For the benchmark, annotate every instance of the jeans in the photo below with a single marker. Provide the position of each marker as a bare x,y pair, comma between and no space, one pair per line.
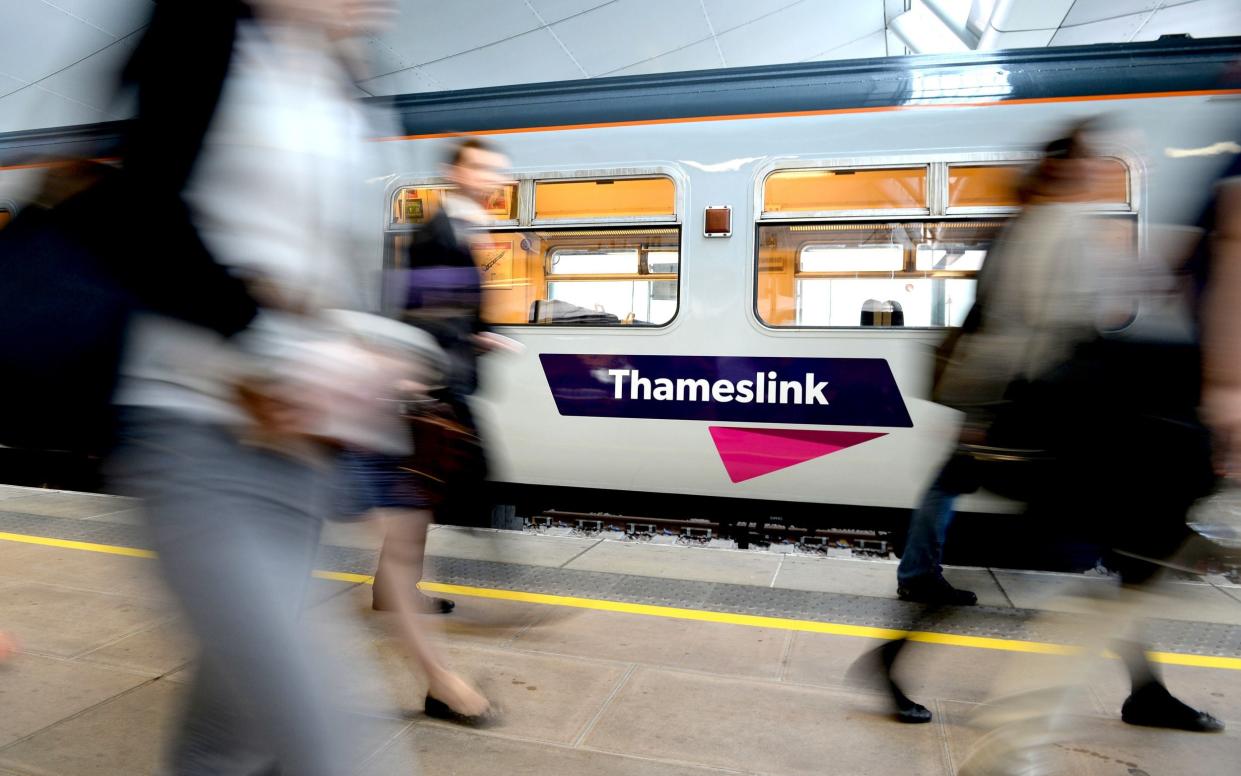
924,547
236,529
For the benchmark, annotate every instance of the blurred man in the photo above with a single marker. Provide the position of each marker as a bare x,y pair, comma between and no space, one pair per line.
441,292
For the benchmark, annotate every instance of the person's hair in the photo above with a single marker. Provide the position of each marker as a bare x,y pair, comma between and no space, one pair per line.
1073,144
455,152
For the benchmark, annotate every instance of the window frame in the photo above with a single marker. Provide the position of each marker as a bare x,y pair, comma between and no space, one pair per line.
526,222
937,211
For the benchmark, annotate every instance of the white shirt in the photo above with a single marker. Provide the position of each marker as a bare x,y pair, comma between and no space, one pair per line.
271,195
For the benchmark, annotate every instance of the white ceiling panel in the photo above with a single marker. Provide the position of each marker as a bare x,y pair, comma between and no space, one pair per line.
800,31
39,39
8,84
1202,18
630,31
382,59
407,81
1087,11
33,107
553,11
699,56
730,14
873,45
429,30
526,59
115,17
460,44
1123,28
94,80
1037,15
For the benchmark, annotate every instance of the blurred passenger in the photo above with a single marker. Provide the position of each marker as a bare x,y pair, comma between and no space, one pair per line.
1131,458
1037,299
1012,332
440,290
247,139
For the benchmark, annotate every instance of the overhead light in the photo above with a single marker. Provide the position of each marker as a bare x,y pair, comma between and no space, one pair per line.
1223,147
923,32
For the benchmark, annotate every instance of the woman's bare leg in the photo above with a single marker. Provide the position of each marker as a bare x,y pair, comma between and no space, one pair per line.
400,569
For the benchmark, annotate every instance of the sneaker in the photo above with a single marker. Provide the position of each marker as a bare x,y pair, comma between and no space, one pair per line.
936,591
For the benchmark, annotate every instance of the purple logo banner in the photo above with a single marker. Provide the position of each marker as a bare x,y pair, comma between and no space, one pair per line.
811,391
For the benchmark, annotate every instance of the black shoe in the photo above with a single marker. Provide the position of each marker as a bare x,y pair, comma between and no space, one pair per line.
1154,706
913,714
437,605
437,709
426,604
936,591
874,668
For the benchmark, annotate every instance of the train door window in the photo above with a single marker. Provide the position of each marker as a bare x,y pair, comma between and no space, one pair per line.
859,257
579,251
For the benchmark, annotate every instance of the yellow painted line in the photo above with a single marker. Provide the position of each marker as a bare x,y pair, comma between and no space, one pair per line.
696,615
67,544
750,620
345,576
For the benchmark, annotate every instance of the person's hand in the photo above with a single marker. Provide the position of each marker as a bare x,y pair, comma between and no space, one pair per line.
273,409
489,342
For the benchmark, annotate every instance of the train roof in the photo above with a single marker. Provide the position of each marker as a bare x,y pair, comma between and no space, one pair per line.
1163,67
1169,65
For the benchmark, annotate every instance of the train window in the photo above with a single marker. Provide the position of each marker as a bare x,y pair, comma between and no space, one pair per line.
984,185
1111,184
612,198
870,274
5,217
414,205
995,185
837,190
593,261
586,277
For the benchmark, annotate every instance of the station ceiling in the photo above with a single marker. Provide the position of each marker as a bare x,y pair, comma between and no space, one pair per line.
58,58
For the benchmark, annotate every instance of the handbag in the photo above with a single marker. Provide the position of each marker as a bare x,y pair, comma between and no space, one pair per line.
448,460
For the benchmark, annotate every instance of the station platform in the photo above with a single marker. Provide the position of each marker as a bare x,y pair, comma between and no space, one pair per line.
604,656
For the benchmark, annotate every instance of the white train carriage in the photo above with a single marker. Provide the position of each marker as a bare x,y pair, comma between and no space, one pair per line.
728,283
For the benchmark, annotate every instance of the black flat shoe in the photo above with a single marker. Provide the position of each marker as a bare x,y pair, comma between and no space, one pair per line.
437,709
437,605
914,714
426,604
1154,706
936,592
874,669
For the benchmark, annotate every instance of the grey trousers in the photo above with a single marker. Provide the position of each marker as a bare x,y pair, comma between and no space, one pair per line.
236,529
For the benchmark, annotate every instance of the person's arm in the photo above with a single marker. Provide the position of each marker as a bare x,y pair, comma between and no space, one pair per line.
1221,327
142,223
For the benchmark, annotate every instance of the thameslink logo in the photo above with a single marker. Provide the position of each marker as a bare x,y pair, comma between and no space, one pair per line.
757,389
765,388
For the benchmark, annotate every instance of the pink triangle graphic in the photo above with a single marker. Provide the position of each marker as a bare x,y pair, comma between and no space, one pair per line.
752,452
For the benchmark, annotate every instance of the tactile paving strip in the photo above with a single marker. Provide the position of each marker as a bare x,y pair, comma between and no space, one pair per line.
1198,638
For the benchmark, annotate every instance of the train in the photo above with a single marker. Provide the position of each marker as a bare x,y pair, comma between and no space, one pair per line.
729,283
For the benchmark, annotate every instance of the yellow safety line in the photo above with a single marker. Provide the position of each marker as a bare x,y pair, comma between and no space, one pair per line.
72,545
697,615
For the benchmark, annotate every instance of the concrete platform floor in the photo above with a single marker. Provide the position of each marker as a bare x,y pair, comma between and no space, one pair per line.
104,663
